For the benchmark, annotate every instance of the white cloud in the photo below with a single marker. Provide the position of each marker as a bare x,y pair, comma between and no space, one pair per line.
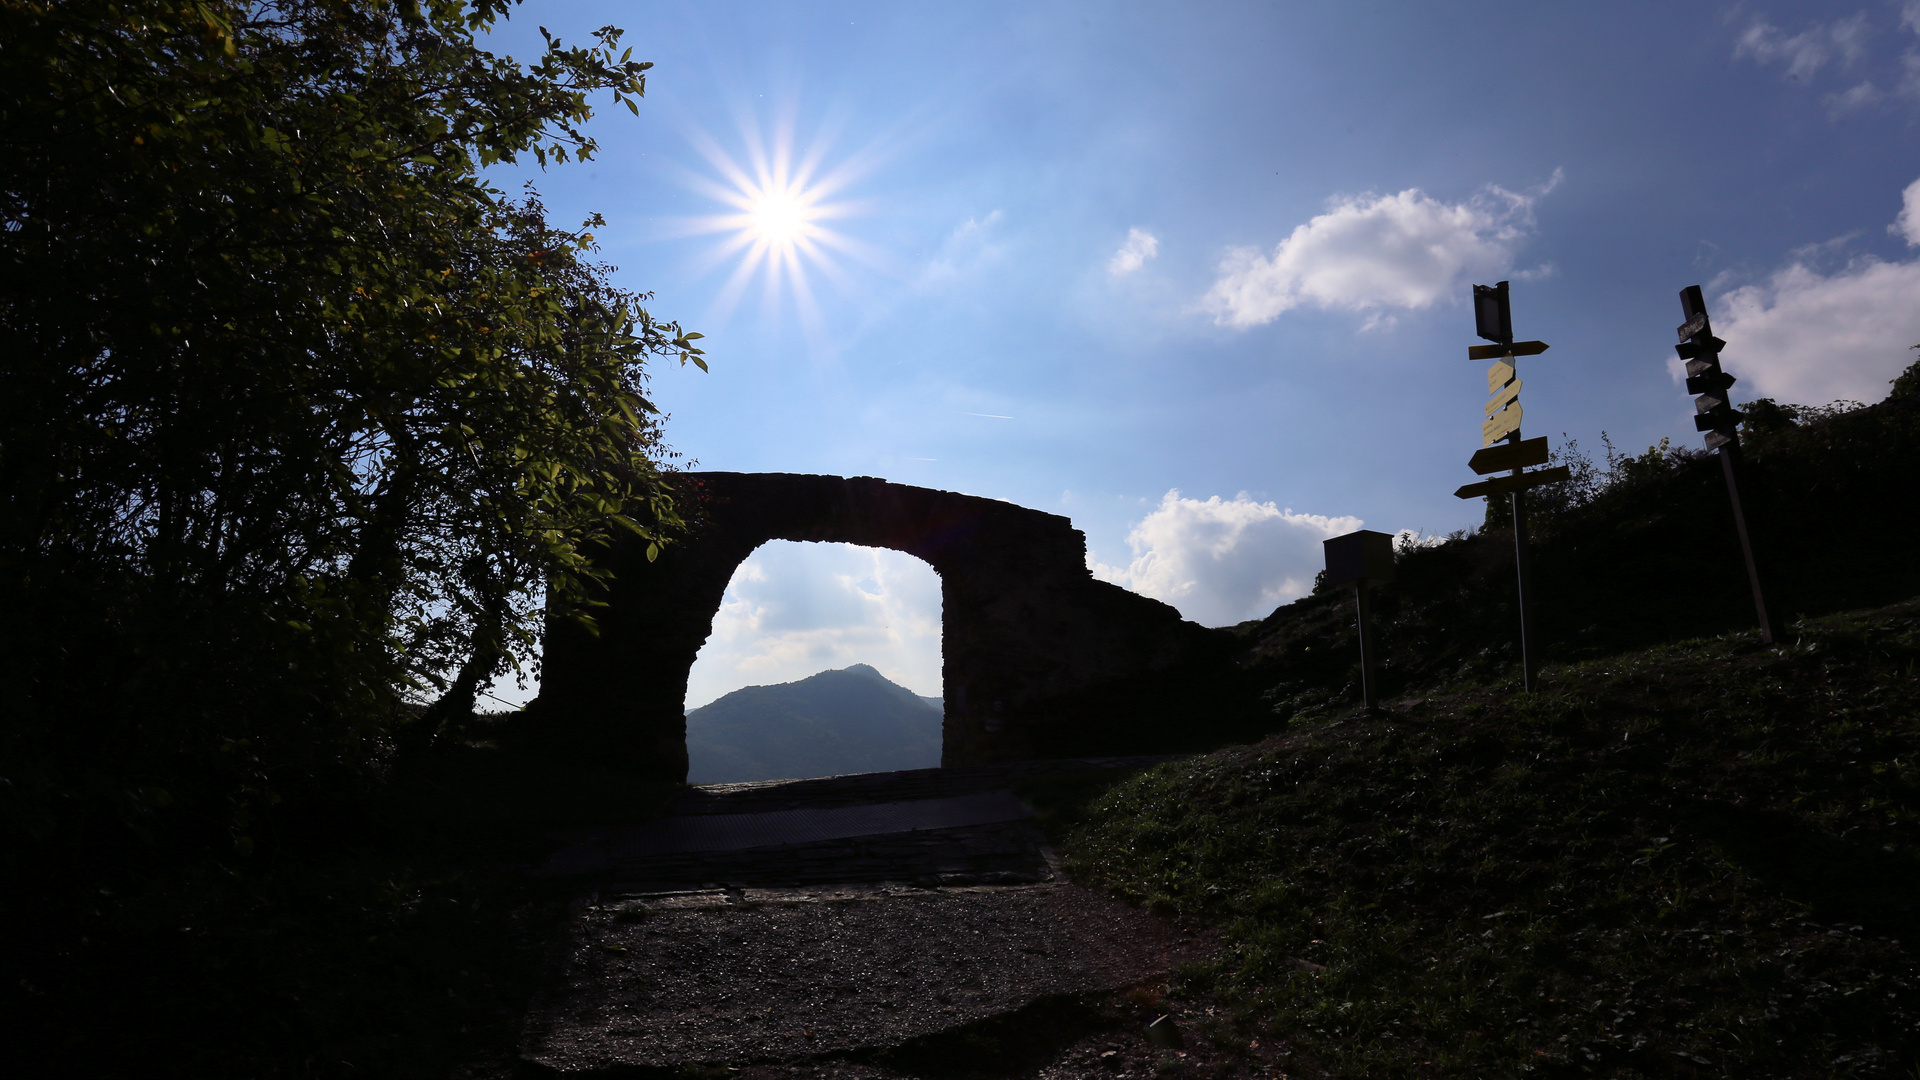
1141,245
1907,224
793,610
1855,97
970,246
1372,252
1224,561
1910,74
1805,53
1842,46
1810,338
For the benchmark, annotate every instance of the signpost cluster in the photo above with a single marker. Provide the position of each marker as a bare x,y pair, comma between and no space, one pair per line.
1503,449
1713,414
1365,557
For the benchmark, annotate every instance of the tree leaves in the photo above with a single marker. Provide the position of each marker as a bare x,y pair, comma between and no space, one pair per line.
289,379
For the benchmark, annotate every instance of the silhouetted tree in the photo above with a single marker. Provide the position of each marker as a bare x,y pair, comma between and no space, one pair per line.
301,413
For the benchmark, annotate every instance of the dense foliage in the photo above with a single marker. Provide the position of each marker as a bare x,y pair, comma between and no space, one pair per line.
302,413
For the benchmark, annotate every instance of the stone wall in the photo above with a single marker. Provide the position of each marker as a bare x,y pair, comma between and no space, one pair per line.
1025,625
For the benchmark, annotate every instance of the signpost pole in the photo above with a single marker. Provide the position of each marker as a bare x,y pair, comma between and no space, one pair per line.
1714,415
1523,570
1493,319
1523,574
1730,467
1369,692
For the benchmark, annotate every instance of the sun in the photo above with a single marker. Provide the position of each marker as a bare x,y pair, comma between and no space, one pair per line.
778,203
780,217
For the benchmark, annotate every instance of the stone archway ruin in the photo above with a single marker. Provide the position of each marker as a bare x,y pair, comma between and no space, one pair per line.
1025,626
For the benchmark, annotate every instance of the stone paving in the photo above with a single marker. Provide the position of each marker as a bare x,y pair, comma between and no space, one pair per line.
922,827
888,908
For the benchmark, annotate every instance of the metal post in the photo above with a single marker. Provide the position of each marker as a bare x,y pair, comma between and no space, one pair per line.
1523,571
1715,415
1493,321
1368,691
1730,466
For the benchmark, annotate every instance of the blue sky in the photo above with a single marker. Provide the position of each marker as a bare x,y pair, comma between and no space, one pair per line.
1195,275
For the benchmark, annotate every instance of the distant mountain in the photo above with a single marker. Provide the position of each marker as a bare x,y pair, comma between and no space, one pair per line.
845,721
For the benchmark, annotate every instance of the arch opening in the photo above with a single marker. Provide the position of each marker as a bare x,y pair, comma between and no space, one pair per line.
824,658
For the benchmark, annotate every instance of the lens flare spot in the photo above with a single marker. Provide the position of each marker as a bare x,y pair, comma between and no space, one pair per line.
779,216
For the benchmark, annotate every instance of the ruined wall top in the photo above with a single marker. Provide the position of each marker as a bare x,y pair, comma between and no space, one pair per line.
945,528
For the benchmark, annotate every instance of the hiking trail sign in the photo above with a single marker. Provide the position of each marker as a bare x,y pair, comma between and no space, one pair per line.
1502,449
1714,414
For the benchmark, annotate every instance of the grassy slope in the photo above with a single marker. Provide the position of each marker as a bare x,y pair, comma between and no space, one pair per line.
1696,860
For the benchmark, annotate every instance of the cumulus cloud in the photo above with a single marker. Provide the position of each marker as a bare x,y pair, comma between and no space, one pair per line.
794,609
1372,253
1223,561
1805,53
1810,337
1141,245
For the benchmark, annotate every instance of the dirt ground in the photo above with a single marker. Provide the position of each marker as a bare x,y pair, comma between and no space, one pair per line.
943,952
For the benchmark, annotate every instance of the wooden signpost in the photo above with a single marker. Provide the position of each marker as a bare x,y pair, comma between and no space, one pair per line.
1714,414
1503,450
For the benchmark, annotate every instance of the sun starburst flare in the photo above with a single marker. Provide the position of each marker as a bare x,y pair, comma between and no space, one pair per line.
774,230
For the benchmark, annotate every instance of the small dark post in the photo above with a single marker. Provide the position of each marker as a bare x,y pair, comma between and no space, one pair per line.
1714,414
1361,558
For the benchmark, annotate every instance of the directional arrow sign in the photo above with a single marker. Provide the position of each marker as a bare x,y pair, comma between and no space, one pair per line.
1690,349
1499,375
1515,483
1504,422
1495,352
1506,456
1708,382
1510,392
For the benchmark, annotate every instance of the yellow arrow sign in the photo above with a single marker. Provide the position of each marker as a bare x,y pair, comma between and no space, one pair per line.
1503,397
1504,423
1499,375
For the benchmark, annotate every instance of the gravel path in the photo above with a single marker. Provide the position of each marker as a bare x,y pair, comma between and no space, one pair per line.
744,982
930,949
